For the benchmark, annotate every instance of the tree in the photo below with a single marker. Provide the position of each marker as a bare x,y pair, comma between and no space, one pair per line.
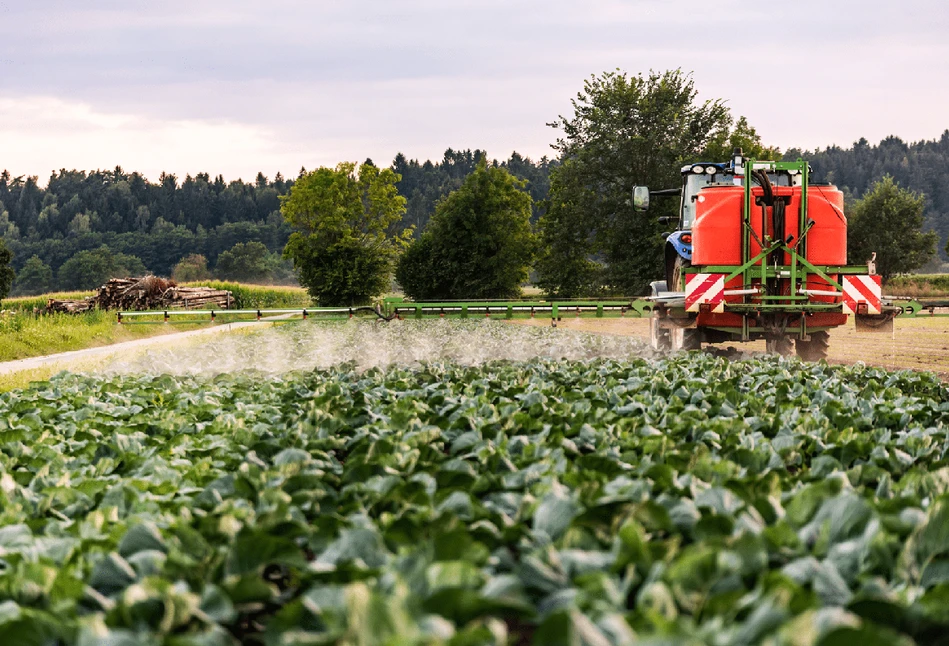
246,262
625,131
919,166
888,220
36,277
743,136
345,244
8,230
6,271
478,244
191,268
91,268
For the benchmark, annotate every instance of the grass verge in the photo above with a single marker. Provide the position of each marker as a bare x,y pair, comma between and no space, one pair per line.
23,335
30,303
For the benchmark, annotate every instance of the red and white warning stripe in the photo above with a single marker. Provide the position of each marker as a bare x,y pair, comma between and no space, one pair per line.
703,289
862,289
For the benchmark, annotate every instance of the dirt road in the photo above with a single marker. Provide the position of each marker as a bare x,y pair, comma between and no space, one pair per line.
918,344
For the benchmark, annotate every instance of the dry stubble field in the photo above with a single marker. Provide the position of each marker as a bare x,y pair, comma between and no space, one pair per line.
918,344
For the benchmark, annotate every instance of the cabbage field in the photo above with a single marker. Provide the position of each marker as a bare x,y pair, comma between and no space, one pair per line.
564,498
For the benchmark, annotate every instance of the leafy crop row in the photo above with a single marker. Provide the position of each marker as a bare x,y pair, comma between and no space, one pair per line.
690,500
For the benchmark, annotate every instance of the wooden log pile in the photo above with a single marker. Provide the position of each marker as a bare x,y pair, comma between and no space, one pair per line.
147,293
70,306
133,293
192,298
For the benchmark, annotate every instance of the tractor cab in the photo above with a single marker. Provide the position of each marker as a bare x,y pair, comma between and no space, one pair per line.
695,178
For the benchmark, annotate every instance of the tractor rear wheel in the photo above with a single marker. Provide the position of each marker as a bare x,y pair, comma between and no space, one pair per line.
781,345
814,349
691,339
659,338
673,339
675,272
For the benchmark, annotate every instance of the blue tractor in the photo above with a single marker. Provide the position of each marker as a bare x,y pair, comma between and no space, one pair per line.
678,247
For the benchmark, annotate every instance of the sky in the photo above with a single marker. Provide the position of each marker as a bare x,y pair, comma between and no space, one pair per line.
236,87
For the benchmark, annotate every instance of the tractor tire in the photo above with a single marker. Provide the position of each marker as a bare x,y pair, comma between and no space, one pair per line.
659,338
674,273
670,339
816,348
781,345
673,339
691,339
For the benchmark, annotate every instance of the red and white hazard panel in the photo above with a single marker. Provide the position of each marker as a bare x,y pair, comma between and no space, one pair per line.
705,289
867,290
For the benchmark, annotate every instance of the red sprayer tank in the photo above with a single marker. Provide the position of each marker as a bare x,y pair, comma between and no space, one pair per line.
827,239
717,230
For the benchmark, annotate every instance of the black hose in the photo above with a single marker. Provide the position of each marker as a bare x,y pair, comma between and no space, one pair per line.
778,222
768,191
374,310
778,219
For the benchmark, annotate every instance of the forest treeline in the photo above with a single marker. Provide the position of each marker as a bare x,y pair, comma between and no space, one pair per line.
162,222
922,167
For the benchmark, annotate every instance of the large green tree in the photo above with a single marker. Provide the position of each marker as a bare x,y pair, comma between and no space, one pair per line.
478,244
36,277
888,221
345,241
6,271
92,268
739,135
245,261
191,268
624,131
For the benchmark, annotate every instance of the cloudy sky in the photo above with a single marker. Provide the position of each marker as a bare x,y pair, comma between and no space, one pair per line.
233,87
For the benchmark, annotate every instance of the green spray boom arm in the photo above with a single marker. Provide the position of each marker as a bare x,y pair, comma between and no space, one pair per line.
397,308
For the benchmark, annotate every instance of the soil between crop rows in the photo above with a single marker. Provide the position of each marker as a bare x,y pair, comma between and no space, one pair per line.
917,344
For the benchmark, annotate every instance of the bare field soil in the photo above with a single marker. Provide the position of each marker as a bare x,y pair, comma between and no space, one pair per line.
916,344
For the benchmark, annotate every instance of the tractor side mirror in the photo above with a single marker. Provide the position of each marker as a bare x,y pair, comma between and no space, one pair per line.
641,198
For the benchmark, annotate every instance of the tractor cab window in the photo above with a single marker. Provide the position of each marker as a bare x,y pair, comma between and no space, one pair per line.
694,182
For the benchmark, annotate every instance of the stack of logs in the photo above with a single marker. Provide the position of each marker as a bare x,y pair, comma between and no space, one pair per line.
148,293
